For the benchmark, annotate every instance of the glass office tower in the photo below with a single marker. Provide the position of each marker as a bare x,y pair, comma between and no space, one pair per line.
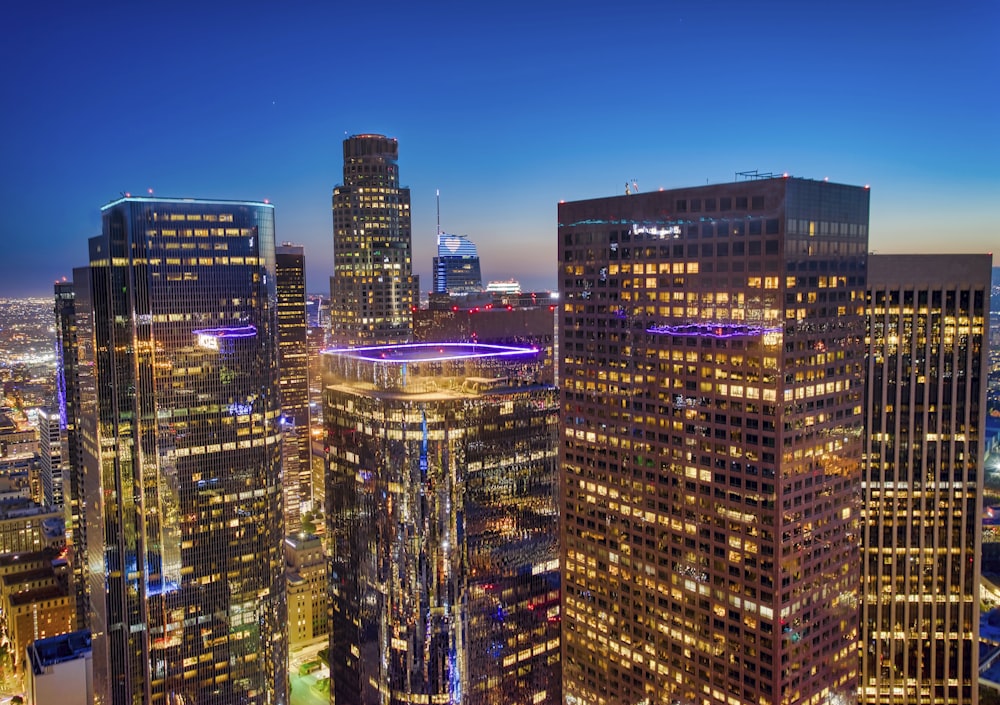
711,343
182,455
456,267
443,524
372,288
925,415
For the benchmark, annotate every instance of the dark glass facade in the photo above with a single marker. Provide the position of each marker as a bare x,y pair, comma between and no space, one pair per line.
68,381
456,267
711,342
372,289
293,357
181,455
443,524
925,413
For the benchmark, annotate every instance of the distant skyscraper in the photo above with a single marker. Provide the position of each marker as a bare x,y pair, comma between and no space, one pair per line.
72,344
925,414
443,525
182,459
50,449
456,267
372,289
711,342
293,358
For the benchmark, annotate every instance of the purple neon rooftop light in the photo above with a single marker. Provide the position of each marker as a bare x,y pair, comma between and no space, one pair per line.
713,330
236,332
430,352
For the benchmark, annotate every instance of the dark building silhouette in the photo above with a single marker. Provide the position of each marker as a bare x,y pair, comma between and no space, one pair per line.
925,416
71,346
372,289
180,444
711,346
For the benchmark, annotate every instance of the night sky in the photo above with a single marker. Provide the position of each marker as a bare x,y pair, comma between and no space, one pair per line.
506,107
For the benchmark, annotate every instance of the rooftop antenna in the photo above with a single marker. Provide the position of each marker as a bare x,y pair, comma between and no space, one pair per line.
439,214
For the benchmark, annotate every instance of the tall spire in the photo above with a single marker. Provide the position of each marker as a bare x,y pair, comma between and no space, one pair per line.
439,214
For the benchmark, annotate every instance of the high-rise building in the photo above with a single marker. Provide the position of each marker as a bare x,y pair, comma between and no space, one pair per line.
456,267
925,415
181,452
443,525
50,450
77,399
293,359
711,342
372,289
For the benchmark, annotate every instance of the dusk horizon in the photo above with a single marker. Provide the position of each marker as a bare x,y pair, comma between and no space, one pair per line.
506,112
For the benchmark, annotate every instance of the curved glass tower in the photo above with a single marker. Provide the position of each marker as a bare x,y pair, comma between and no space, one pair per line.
443,525
182,456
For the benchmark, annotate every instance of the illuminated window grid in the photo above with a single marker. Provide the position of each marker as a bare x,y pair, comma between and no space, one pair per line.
185,423
372,290
678,582
923,477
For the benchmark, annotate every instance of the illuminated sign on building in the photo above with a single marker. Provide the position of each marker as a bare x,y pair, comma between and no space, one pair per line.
674,230
208,341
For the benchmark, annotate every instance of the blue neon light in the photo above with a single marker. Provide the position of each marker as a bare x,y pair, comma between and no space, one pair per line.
235,332
402,354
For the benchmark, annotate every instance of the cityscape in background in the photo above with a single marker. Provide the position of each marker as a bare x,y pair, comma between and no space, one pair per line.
733,457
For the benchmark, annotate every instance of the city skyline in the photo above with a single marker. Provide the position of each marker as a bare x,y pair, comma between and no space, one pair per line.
505,111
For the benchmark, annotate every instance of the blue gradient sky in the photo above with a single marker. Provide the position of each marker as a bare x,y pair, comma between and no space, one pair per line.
505,107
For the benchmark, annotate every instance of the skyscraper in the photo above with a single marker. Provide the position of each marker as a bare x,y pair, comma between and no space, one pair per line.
443,525
182,455
293,358
74,341
925,413
52,457
711,343
372,288
456,267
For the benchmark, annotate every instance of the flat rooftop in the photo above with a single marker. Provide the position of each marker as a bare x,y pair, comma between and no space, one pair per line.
56,649
430,352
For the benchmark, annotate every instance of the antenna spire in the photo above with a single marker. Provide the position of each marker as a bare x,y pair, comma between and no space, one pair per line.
439,213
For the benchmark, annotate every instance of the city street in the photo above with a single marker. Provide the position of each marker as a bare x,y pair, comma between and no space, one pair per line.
304,690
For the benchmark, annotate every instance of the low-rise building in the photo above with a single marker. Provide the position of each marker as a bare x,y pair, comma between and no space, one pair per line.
305,571
26,526
37,613
60,670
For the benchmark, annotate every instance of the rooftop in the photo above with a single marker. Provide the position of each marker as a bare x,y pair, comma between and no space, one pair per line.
191,201
48,592
56,649
430,352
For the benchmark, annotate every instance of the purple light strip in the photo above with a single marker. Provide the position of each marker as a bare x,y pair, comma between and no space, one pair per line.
477,350
713,330
237,332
